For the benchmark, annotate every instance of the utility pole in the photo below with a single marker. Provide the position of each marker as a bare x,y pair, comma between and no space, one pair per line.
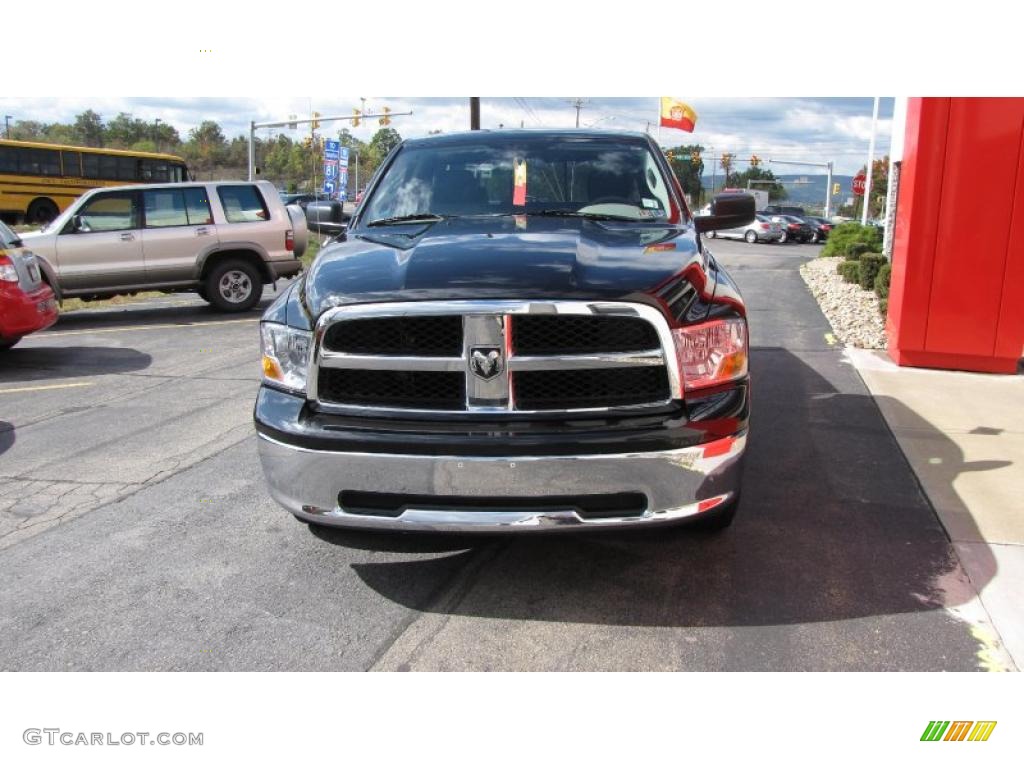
156,131
714,170
871,158
7,125
578,104
474,113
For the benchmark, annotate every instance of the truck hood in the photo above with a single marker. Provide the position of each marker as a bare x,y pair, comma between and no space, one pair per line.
502,257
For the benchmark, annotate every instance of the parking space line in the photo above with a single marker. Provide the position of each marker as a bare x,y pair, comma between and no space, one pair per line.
182,326
46,386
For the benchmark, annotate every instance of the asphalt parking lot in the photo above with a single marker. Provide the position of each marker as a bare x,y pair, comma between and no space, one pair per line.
136,532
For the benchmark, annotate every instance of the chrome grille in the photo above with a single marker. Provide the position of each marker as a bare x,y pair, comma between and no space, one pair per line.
580,334
492,356
599,388
431,336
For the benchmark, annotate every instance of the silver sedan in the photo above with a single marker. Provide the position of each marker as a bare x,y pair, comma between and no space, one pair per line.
761,230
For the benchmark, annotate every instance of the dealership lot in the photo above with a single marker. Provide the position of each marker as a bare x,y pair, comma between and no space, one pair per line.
136,531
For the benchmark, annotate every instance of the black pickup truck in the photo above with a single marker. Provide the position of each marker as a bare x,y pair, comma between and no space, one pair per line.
519,331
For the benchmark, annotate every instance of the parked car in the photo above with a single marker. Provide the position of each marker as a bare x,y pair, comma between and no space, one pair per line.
820,228
224,239
787,210
794,228
761,230
27,303
519,331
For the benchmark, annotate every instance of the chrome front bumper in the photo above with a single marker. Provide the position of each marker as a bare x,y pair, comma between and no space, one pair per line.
678,484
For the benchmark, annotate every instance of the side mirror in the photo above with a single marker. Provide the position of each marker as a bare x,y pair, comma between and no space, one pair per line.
727,211
78,224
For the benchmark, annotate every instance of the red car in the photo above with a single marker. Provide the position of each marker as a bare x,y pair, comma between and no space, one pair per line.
27,303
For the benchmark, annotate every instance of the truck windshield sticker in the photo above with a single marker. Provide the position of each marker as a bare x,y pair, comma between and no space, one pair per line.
519,180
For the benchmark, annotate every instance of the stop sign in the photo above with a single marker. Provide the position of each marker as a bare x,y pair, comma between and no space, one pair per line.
858,183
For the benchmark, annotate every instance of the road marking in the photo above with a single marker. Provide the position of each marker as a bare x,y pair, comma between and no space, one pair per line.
831,339
46,386
147,327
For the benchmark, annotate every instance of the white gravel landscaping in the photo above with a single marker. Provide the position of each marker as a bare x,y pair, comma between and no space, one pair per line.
852,311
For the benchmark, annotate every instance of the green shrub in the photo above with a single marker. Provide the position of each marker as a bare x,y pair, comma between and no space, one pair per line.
850,270
882,281
870,264
851,232
855,250
883,307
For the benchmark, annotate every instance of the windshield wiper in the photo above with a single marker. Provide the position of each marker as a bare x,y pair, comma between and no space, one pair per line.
585,215
410,217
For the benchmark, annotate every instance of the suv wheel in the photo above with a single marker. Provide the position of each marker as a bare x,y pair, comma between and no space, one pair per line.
784,238
710,235
815,237
751,236
233,286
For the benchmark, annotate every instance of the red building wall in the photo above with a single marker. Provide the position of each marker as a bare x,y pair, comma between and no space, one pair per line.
957,293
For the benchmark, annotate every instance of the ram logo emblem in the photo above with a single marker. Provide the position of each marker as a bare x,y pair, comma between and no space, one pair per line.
485,362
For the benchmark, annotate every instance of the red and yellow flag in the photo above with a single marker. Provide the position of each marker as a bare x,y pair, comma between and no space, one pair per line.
676,114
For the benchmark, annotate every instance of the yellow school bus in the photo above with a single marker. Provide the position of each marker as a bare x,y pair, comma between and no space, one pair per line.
38,181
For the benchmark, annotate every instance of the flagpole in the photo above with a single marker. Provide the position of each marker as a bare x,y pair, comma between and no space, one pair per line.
871,157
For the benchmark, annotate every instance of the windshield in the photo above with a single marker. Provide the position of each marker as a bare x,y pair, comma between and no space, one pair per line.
548,176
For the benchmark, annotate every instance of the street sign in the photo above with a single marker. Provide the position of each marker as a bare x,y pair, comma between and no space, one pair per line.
332,150
859,182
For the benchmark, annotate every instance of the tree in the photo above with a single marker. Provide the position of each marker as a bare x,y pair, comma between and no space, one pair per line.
28,130
238,152
89,129
688,172
206,147
879,189
124,130
382,143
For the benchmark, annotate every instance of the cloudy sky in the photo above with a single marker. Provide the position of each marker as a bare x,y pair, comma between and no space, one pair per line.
809,129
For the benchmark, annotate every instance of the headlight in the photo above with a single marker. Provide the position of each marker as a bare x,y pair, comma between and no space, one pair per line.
285,355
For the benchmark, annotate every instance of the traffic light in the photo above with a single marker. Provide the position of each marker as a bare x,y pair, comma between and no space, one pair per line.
755,161
835,188
671,155
308,142
355,119
386,120
316,123
695,156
